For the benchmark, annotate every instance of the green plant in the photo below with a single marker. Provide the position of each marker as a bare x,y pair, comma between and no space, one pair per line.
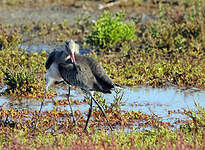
111,30
19,81
197,119
7,39
118,99
99,97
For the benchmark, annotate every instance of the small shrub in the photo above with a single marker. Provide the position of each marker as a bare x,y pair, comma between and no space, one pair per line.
110,30
7,39
118,99
18,81
197,122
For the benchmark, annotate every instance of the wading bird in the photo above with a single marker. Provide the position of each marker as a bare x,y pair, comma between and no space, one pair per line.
77,70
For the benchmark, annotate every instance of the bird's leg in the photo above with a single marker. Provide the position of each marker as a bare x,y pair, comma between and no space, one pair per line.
100,107
68,95
90,111
39,114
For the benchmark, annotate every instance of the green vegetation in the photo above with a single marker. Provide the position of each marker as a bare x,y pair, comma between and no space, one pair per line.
171,51
109,31
19,81
18,133
166,50
198,119
7,39
21,71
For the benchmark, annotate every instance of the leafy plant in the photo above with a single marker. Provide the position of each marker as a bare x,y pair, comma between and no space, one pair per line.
118,99
7,39
111,30
19,81
197,119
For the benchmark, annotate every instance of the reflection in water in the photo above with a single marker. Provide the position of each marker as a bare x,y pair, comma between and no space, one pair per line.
146,99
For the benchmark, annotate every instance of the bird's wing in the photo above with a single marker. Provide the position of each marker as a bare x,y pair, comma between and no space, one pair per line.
100,74
87,74
67,71
74,74
50,59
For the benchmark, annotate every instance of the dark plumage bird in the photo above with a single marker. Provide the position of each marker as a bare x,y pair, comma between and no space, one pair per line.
86,73
77,70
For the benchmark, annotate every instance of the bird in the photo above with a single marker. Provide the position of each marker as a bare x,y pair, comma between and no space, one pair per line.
52,72
86,73
80,71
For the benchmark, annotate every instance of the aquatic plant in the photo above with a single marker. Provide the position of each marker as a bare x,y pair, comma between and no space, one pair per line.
118,101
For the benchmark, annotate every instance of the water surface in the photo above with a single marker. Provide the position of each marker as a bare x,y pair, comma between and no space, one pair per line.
145,99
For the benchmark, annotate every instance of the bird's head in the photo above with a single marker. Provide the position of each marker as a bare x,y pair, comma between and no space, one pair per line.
72,48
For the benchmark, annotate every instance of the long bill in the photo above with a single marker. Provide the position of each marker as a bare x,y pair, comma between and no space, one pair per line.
72,56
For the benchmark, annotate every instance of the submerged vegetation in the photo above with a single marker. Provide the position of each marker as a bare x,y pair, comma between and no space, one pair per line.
165,49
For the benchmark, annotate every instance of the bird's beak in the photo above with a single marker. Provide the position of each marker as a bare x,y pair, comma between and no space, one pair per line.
72,56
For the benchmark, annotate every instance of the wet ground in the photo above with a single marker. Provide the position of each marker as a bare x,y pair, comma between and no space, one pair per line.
157,101
166,103
57,12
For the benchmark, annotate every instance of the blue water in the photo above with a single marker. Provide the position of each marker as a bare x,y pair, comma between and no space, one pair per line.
145,99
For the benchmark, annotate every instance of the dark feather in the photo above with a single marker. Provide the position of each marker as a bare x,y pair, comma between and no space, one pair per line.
87,74
50,59
100,74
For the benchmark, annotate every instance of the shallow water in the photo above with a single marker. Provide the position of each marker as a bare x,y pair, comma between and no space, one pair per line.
145,99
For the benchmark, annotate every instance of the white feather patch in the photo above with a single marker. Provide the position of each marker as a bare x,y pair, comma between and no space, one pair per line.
52,75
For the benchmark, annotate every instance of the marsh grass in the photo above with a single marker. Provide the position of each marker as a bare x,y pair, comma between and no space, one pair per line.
197,119
166,51
147,139
7,39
